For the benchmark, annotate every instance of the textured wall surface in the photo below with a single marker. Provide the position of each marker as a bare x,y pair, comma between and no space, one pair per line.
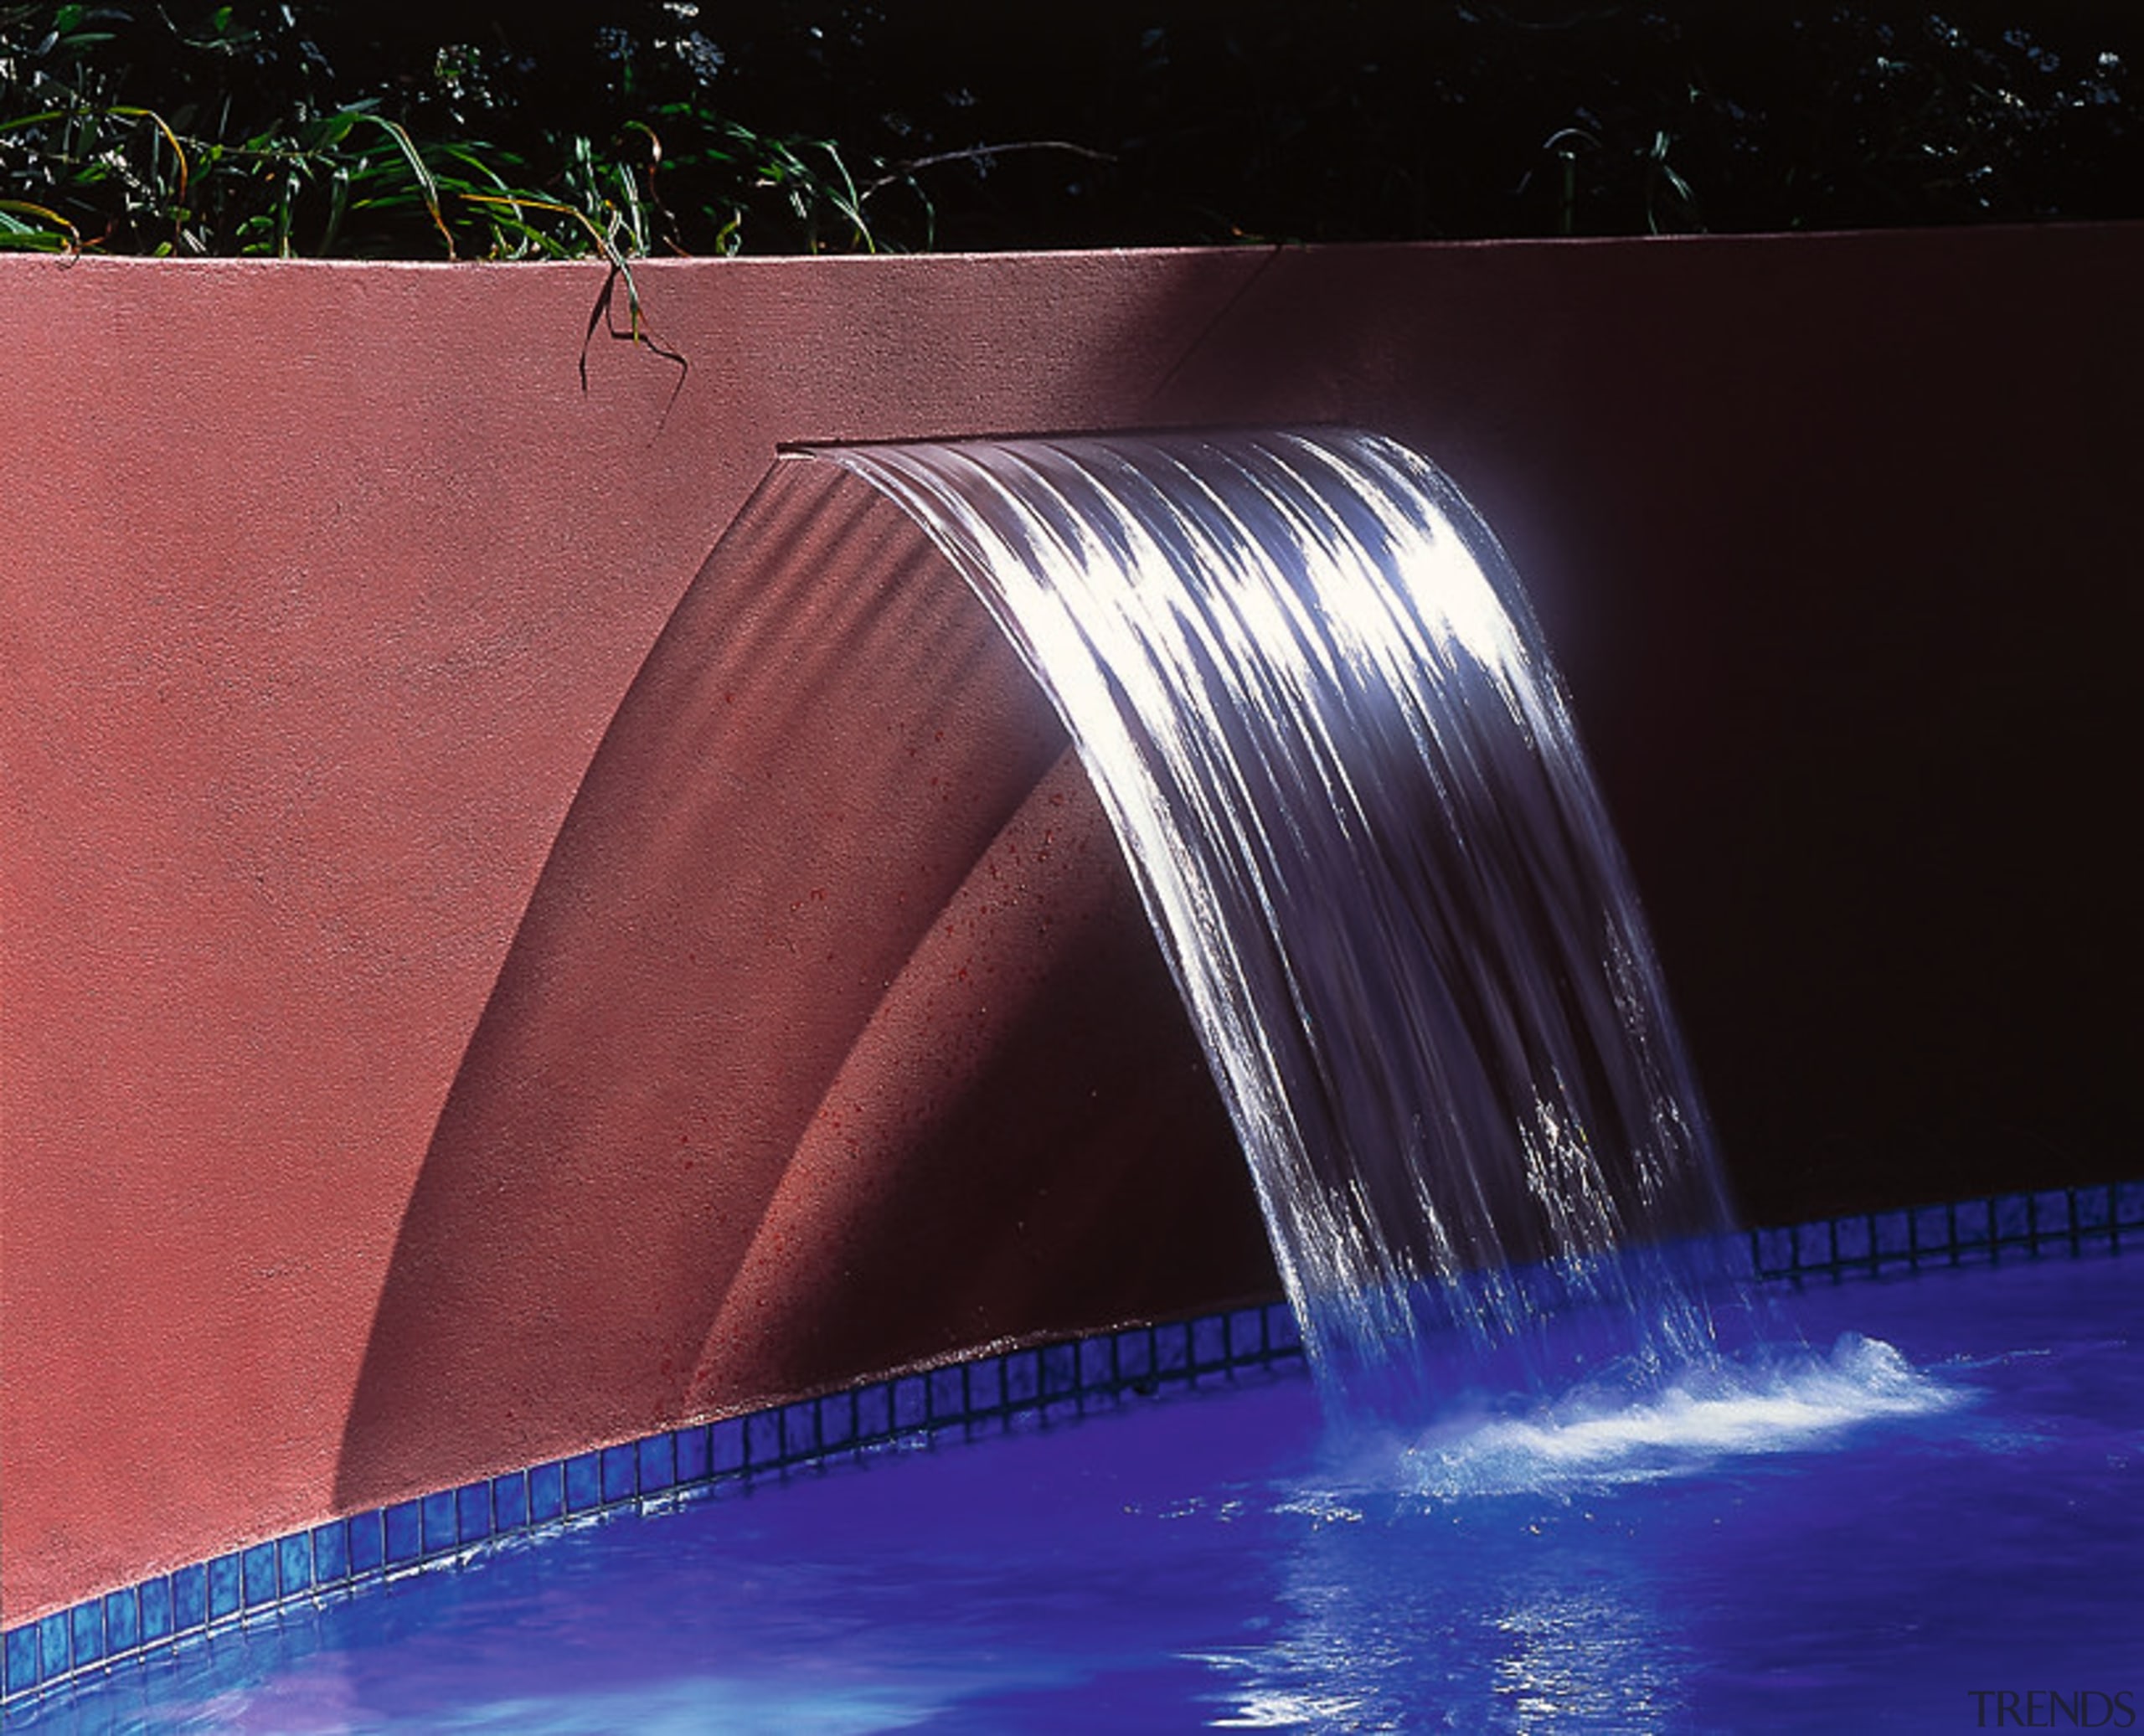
356,809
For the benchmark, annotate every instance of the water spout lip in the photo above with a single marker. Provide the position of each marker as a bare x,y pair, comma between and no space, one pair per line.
1044,436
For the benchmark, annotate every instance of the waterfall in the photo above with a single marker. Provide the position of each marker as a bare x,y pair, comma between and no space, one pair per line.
1303,679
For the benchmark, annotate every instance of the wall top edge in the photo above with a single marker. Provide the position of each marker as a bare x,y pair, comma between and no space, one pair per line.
1926,237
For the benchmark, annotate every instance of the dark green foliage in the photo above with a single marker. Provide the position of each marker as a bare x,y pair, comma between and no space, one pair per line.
1359,120
334,128
275,129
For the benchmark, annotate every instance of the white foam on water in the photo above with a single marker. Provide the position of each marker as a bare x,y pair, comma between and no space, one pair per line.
1605,1433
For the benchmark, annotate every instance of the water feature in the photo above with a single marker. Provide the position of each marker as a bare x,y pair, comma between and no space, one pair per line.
1304,681
1302,677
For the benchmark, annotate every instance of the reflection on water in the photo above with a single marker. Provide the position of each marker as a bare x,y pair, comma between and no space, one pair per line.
1419,1619
1590,1658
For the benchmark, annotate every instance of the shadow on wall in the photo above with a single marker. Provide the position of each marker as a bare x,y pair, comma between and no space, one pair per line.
832,1039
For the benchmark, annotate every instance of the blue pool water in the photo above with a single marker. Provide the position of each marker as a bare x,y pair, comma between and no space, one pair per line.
1939,1494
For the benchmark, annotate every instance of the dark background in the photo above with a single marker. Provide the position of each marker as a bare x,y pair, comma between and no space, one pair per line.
966,125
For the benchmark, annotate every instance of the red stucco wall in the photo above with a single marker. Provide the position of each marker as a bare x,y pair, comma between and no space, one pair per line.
324,585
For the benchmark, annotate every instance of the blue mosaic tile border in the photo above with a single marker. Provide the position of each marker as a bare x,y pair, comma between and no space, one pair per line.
2069,1220
1048,1382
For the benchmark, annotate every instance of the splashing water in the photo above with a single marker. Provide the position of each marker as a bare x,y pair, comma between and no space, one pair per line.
1603,1433
1302,678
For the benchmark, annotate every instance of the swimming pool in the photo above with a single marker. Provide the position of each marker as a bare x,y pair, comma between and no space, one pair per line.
1928,1497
